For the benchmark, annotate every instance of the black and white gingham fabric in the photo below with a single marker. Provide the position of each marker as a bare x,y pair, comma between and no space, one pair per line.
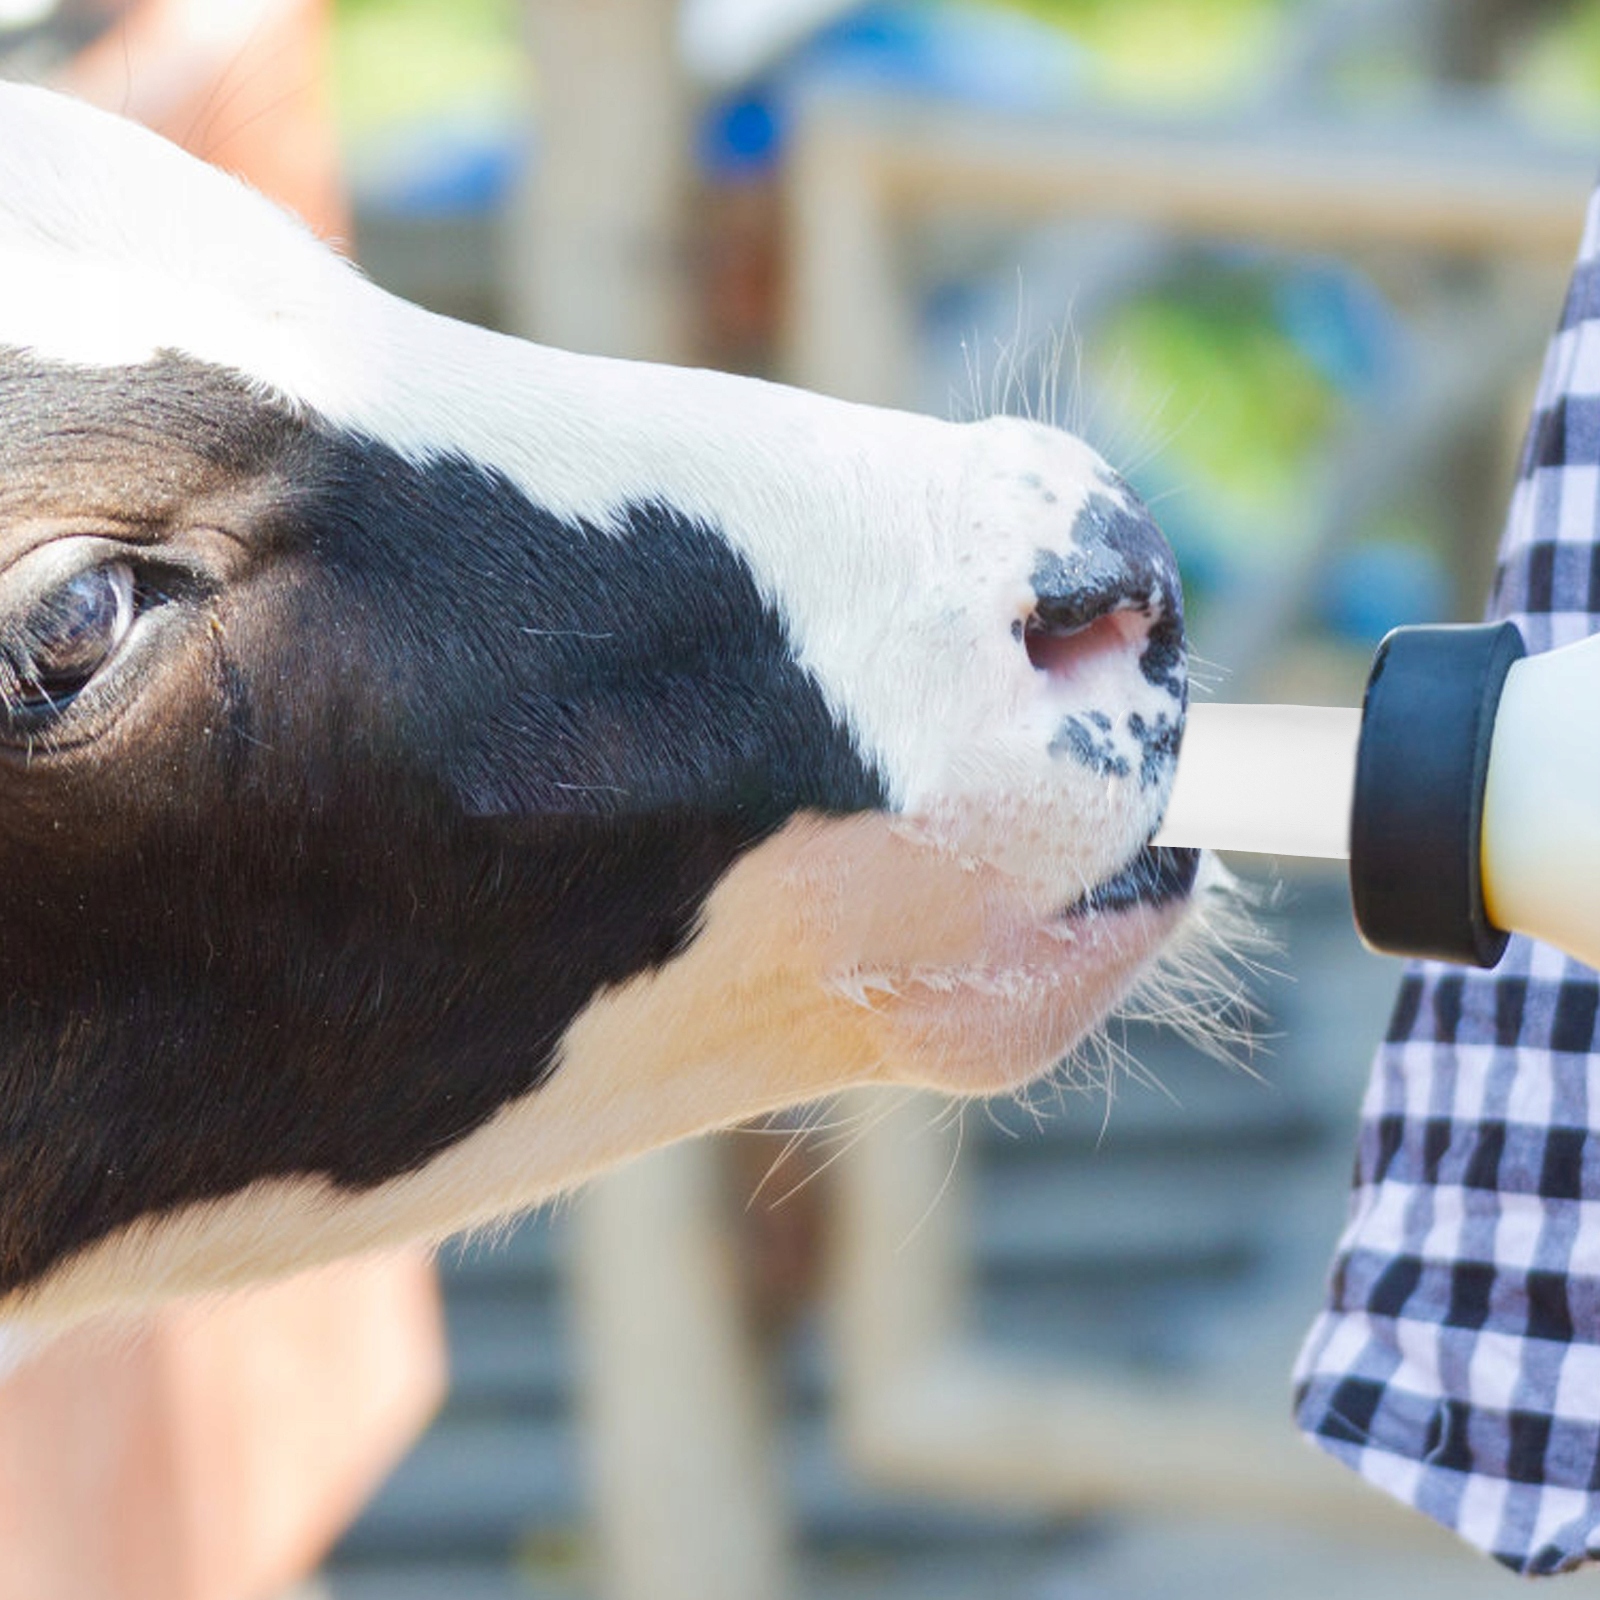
1457,1364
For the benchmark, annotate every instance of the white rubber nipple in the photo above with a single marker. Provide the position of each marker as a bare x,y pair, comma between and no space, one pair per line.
1277,780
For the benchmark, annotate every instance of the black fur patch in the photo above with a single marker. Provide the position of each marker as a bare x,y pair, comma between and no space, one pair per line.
1118,560
1158,746
1087,739
1155,877
419,770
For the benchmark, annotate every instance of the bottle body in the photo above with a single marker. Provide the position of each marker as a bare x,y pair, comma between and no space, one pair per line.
1541,814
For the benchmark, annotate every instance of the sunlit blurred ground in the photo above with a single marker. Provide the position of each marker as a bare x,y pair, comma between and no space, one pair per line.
1184,1237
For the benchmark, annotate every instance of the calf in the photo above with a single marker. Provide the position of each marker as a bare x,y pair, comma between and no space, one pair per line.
434,768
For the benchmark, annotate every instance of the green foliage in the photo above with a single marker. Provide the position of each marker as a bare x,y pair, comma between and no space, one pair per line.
1237,407
1173,50
395,60
1558,78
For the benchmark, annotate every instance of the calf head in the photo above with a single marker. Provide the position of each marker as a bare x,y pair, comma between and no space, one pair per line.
433,767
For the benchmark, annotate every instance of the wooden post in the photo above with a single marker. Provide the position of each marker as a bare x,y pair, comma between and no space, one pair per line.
600,263
687,1494
687,1506
847,327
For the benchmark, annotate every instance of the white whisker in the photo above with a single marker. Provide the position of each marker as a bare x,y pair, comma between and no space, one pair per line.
949,1173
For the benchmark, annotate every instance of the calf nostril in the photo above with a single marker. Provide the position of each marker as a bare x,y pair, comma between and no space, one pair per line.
1113,587
1058,648
1113,563
1067,600
1087,603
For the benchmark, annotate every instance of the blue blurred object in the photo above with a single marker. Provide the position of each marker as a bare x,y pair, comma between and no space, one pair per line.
1341,323
442,169
1378,586
743,134
944,49
950,49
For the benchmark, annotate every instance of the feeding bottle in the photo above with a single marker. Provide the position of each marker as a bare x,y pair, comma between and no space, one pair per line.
1465,791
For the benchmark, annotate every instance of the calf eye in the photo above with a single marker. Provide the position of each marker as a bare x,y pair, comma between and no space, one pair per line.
72,633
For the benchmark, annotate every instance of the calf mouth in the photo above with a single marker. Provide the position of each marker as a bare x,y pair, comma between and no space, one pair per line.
1154,877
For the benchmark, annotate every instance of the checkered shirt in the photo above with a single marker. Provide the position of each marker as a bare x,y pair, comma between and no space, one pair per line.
1457,1363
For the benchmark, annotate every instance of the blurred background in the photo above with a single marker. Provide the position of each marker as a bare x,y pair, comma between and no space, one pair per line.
1290,264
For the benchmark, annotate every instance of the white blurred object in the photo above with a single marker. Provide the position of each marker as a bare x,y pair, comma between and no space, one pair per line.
24,13
725,42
